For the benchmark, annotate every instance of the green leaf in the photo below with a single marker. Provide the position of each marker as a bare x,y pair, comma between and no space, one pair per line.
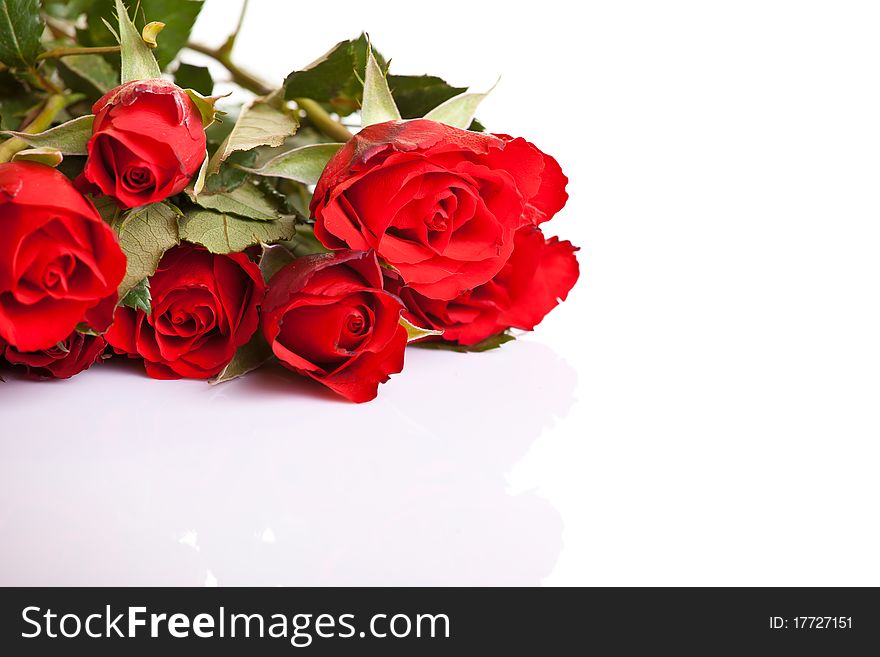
138,62
20,30
246,201
94,32
492,342
139,297
16,101
279,198
14,110
458,111
334,79
416,95
378,105
99,75
198,78
221,232
305,242
47,156
106,207
304,164
275,258
205,105
414,332
179,17
264,122
232,172
297,197
70,138
476,126
247,358
145,234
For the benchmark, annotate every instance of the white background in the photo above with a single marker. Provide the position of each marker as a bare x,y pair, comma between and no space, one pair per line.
703,410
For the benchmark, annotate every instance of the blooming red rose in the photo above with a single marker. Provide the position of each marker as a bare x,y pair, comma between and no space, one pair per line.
439,204
69,357
147,142
327,317
538,275
204,307
60,265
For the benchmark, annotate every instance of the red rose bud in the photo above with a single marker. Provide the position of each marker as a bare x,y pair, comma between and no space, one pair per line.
147,142
60,265
204,307
327,317
439,204
66,359
539,275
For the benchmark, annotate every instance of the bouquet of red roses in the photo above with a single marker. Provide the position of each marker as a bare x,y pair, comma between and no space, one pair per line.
325,224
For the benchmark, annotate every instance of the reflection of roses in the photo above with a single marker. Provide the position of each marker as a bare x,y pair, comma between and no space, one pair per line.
326,316
538,275
60,265
147,142
204,307
439,204
62,361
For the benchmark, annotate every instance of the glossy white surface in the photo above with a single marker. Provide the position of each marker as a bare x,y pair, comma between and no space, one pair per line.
702,411
269,480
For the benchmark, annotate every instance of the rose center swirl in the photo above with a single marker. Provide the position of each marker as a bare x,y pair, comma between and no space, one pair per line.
137,178
437,222
56,273
356,323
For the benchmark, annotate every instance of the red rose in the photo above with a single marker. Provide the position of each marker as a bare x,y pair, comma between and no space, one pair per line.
327,317
147,142
204,307
538,275
60,265
439,204
69,357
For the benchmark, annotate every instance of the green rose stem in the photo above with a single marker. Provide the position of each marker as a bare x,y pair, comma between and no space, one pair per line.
322,120
43,81
54,104
227,47
317,114
241,77
57,53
